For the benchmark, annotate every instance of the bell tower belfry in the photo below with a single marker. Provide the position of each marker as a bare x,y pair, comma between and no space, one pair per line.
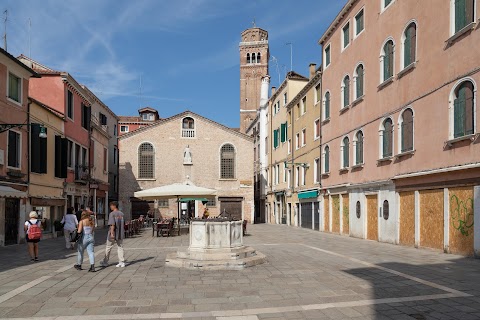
254,57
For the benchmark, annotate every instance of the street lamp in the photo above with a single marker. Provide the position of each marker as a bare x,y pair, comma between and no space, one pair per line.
7,126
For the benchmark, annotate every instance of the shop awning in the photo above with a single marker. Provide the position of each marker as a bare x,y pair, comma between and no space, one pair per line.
308,194
9,192
193,199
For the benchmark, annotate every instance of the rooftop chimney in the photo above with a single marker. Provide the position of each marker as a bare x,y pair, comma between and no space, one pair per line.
273,90
312,67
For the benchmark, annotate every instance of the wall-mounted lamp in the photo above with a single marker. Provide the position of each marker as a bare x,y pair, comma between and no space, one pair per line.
7,126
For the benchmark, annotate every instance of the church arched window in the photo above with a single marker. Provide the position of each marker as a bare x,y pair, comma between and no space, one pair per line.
258,57
254,60
227,162
248,57
146,161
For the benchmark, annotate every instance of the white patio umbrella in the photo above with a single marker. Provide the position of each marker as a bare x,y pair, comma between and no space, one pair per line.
175,190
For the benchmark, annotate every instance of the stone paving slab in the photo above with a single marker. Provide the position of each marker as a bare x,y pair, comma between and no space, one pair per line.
308,275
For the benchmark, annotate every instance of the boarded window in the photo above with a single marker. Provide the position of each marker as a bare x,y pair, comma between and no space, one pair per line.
407,130
146,161
387,138
410,45
227,159
463,110
359,148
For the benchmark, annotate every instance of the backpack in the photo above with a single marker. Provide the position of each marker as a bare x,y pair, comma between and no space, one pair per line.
34,232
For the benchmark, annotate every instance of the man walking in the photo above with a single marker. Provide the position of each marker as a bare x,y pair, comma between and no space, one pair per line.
116,234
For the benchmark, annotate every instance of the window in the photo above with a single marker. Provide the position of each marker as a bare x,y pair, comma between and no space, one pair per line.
359,23
386,3
359,148
463,110
188,128
103,119
114,155
123,128
387,60
345,153
14,149
359,72
297,141
69,104
61,156
248,57
266,145
303,175
386,209
285,99
38,150
227,159
406,130
304,105
277,174
346,35
105,159
276,138
316,128
162,203
146,161
289,146
71,154
297,176
14,88
358,209
387,138
258,57
304,137
212,202
326,106
326,159
316,171
327,56
464,13
409,44
254,59
318,93
345,91
283,132
114,130
86,116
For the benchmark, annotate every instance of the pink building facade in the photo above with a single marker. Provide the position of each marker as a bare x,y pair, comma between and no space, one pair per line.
14,147
400,123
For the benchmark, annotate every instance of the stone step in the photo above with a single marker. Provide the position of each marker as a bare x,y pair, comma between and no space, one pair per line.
213,255
230,264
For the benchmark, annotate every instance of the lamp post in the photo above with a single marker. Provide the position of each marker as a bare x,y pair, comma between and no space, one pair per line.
7,126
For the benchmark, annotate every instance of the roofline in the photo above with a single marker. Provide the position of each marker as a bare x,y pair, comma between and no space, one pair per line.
284,84
336,21
185,113
315,79
20,63
98,100
48,108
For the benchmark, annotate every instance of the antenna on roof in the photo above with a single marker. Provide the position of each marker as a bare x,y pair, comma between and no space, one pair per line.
275,61
5,34
254,25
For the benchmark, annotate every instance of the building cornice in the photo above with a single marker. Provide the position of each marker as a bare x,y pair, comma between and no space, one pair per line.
331,28
304,91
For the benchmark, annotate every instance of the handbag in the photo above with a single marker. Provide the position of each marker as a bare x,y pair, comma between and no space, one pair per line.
75,236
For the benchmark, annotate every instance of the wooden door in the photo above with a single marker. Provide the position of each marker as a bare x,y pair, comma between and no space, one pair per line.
372,217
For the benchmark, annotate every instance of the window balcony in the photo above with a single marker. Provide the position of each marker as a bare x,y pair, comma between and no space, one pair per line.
188,133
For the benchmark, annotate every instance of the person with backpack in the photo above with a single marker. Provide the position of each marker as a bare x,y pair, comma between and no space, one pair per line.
115,235
70,223
86,228
33,234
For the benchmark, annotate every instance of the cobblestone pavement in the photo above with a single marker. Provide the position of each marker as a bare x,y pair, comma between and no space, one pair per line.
309,275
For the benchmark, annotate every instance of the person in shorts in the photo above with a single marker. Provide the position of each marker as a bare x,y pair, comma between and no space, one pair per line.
32,243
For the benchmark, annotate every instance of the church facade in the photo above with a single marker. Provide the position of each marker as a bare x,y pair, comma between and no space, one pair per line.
187,148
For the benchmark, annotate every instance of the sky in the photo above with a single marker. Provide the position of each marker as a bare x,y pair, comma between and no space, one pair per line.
170,55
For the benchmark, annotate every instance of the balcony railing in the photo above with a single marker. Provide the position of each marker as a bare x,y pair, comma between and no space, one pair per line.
188,133
82,174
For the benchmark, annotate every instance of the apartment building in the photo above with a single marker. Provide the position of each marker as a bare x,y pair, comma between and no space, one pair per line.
400,152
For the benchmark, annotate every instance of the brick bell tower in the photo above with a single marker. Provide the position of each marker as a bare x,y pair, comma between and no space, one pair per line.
254,57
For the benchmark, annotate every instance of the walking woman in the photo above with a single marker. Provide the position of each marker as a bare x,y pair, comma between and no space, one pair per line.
70,224
86,227
33,235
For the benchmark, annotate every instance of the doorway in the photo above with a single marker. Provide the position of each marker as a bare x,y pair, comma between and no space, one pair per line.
372,219
12,215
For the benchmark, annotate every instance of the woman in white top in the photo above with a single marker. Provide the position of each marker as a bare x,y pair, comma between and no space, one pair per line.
70,224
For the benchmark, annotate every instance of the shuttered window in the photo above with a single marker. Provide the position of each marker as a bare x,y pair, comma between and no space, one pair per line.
359,148
464,13
346,35
386,3
463,110
409,49
346,152
326,160
346,91
407,130
388,60
86,116
227,162
275,138
70,104
38,150
327,105
359,81
61,156
387,138
146,161
317,93
283,132
14,149
327,56
359,24
14,87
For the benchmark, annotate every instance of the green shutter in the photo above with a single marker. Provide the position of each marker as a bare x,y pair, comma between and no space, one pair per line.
327,160
460,15
386,64
275,139
327,56
327,105
346,92
283,132
407,47
359,84
345,154
459,115
387,2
